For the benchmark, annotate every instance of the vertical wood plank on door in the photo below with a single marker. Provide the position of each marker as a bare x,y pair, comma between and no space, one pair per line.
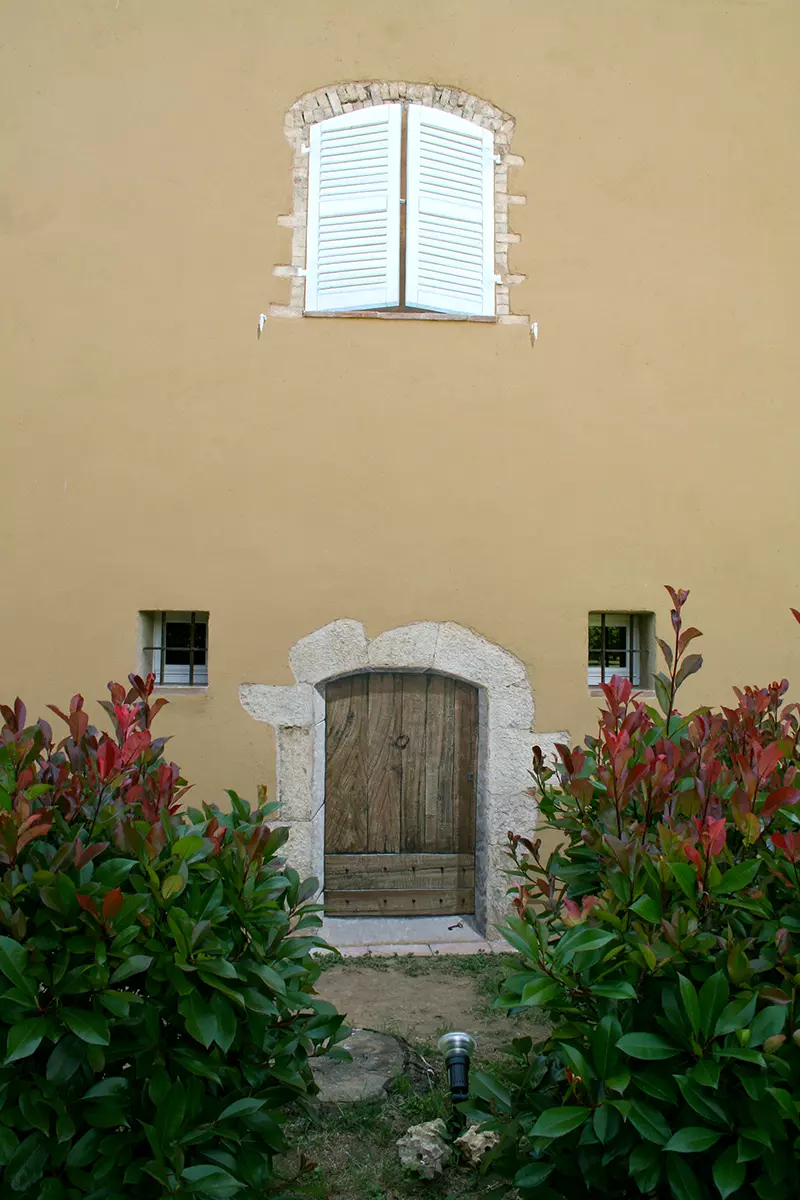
465,773
439,759
412,798
346,797
384,763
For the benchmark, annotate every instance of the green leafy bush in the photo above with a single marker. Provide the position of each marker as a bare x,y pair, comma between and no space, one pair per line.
156,985
661,941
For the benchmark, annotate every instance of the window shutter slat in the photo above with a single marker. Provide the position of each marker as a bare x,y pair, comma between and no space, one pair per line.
353,237
449,214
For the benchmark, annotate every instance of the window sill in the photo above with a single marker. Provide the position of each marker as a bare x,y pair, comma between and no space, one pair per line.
179,689
391,314
648,693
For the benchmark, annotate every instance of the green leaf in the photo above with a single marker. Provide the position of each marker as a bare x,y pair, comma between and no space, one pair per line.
24,1038
647,908
488,1088
713,998
644,1165
539,992
26,1164
172,886
87,1025
729,1174
211,1181
185,847
131,966
698,1098
248,1105
201,1022
686,879
737,877
584,940
576,1061
691,1004
766,1024
649,1122
112,873
604,1040
692,1139
646,1045
84,1150
114,1085
736,1015
606,1122
556,1122
614,991
533,1174
14,964
65,1059
662,693
270,977
8,1144
226,1022
682,1179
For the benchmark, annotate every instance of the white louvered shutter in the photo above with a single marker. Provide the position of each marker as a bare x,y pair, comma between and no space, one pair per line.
449,214
353,247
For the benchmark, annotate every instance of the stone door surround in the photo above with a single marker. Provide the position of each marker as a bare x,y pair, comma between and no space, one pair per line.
505,737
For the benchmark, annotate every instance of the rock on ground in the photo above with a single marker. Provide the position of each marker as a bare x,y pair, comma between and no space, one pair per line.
377,1060
424,1150
476,1145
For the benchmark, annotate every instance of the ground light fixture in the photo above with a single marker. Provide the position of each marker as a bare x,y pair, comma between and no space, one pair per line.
457,1049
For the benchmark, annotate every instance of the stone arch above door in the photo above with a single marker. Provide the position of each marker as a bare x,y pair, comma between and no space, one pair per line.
505,742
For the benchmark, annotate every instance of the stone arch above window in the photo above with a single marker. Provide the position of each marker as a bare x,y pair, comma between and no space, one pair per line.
338,99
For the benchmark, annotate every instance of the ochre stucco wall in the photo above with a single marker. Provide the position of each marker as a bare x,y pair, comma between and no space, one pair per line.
156,455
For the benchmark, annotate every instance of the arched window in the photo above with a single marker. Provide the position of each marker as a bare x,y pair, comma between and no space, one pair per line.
401,204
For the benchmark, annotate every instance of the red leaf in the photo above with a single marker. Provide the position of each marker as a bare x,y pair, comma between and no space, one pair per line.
687,636
88,905
106,759
795,614
768,760
134,745
112,903
30,834
777,799
117,693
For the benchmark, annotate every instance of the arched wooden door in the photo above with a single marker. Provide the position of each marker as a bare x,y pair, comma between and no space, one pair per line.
400,792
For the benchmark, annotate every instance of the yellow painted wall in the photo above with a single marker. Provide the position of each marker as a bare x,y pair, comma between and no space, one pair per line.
156,455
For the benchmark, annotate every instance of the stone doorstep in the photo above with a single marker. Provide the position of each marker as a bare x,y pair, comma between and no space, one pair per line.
399,931
422,949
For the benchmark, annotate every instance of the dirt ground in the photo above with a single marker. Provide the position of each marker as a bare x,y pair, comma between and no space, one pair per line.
422,998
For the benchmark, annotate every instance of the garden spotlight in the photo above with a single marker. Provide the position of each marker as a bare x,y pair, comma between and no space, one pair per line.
457,1049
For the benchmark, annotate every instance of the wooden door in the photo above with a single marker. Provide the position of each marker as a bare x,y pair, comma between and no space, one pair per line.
400,791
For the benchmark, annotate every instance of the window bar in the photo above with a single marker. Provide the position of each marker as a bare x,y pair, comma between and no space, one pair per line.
602,647
191,649
163,647
630,647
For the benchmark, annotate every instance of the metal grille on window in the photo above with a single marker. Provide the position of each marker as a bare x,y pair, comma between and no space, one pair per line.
179,653
614,647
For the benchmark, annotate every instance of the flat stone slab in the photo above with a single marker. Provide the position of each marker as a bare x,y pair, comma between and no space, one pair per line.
377,1060
392,931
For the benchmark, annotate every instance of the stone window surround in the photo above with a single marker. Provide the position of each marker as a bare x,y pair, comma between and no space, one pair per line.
505,737
340,98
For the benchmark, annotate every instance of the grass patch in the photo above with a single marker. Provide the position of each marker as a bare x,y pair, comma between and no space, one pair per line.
353,1146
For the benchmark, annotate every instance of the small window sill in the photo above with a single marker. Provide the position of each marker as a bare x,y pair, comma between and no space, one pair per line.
179,689
391,314
648,693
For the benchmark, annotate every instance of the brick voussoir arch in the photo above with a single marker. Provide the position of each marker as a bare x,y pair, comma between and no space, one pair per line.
338,98
505,738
